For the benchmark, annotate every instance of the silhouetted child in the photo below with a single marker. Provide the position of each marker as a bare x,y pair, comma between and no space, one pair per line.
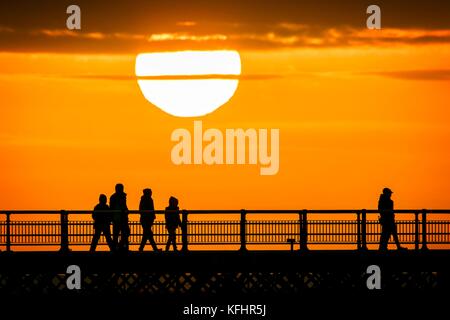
102,222
173,221
118,202
147,219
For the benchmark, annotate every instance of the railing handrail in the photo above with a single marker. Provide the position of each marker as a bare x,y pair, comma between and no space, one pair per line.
304,228
233,211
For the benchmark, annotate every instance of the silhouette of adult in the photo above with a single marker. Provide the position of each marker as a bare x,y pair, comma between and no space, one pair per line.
118,202
102,222
173,221
148,217
387,220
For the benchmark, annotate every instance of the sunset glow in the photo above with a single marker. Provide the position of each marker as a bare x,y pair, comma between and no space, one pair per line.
361,110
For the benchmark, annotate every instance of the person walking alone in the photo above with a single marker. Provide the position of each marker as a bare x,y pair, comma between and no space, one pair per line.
387,220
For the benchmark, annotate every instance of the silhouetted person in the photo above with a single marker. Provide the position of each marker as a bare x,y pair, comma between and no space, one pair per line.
387,220
102,222
173,221
118,201
147,219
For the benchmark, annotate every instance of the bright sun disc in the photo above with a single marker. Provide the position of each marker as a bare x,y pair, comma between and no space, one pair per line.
188,83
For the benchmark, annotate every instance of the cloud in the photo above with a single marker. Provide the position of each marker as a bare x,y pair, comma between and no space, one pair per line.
297,36
194,36
341,37
397,36
6,29
159,37
186,23
126,26
434,75
293,27
55,33
122,77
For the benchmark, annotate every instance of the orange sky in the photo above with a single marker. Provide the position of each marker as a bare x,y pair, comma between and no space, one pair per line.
357,110
349,125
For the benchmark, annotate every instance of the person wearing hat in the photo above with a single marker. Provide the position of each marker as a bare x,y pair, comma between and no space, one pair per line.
387,220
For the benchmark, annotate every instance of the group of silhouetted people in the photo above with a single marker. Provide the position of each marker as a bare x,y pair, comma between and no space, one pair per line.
119,218
121,230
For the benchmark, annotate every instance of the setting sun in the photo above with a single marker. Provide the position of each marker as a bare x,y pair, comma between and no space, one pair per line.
188,83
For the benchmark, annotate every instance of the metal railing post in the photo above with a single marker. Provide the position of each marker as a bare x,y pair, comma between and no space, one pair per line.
303,230
64,231
243,224
416,231
184,231
358,231
8,232
424,229
291,242
363,229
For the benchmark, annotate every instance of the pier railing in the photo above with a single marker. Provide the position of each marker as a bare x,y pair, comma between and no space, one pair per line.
223,229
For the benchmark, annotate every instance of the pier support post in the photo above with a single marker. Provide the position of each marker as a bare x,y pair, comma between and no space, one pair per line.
424,229
64,232
416,231
184,231
363,229
8,232
243,225
303,230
